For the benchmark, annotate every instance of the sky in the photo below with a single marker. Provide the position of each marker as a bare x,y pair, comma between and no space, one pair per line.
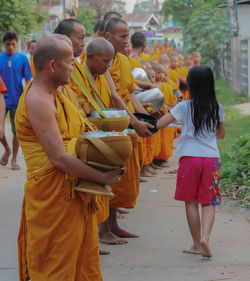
130,5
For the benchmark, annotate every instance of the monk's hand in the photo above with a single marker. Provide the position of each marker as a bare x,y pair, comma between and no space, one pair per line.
141,129
146,104
113,176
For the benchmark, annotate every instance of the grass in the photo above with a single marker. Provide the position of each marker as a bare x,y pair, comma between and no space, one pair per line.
234,149
236,123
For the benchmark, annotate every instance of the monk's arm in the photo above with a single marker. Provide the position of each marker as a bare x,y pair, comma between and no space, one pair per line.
2,115
164,121
140,127
145,85
137,105
44,123
220,131
182,80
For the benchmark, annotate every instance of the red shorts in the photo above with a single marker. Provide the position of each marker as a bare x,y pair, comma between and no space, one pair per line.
198,180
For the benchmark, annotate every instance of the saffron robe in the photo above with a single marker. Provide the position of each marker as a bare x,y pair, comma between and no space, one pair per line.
127,190
58,238
167,134
3,89
85,108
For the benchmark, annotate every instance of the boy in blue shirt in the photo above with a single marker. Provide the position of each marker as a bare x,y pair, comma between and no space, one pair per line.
14,67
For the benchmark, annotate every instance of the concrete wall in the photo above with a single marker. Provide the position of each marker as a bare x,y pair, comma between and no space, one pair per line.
244,19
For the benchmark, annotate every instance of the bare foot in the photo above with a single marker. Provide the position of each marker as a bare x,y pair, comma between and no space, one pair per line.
155,166
122,211
146,174
111,239
123,233
119,216
204,249
14,165
103,252
5,158
143,180
151,170
192,250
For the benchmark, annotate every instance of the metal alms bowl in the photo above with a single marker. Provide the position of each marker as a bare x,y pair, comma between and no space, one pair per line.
110,113
140,74
153,96
102,134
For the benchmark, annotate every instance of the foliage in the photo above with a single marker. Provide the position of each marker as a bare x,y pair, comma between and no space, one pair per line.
101,7
235,171
234,149
21,16
207,32
181,10
87,16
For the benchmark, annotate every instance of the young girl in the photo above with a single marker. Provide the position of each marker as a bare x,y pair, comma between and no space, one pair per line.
199,164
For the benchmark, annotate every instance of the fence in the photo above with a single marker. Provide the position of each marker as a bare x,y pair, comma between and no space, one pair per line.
243,66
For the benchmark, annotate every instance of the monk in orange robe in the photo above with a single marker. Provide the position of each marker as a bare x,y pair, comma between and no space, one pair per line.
166,134
57,221
31,47
3,90
126,192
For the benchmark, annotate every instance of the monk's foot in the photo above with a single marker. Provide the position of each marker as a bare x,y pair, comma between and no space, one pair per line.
147,174
122,211
163,164
151,170
123,233
192,250
119,216
155,165
204,249
143,180
14,165
103,252
5,158
111,239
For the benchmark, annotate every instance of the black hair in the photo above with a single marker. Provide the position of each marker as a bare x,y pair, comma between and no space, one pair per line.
30,42
107,17
98,26
204,105
112,23
10,35
66,27
138,39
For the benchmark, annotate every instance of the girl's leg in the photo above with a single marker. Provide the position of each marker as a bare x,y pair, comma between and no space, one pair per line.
207,221
193,219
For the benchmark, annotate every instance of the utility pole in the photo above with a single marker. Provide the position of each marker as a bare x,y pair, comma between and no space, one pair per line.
64,9
234,44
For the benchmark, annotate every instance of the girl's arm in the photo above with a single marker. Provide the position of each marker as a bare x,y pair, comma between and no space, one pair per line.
165,121
220,131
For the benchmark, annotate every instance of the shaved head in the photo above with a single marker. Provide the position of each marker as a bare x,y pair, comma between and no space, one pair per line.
99,46
157,66
49,48
112,24
61,37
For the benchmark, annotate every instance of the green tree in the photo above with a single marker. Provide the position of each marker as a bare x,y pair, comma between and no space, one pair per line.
207,31
87,16
21,16
181,10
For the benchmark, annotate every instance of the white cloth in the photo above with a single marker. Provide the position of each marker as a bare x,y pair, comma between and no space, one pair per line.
204,145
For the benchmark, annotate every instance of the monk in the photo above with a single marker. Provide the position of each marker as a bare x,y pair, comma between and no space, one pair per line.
58,237
3,90
167,134
189,61
138,42
126,192
196,57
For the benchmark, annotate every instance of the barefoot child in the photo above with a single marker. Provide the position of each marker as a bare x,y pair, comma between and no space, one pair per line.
199,164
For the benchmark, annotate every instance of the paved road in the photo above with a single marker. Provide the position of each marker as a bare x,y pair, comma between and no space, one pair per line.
157,255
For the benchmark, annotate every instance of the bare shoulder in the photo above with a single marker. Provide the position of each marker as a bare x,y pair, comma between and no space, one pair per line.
38,101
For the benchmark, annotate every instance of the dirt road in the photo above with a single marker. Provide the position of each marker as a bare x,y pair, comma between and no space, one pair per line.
157,254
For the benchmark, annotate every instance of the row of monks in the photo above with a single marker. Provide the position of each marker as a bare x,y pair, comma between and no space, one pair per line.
65,246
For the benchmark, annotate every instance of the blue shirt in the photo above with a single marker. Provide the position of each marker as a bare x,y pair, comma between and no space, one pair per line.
13,69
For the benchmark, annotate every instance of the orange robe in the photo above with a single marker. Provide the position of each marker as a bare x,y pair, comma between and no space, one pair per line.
85,109
145,57
134,62
3,89
58,237
173,76
32,67
127,190
167,134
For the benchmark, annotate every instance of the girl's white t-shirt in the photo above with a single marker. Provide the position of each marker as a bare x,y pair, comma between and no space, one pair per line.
204,145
